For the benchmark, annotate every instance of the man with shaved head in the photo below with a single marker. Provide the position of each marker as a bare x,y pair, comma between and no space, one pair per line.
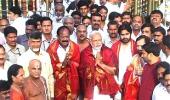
81,32
34,85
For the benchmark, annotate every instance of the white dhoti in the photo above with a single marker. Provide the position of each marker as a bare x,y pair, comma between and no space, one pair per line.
97,96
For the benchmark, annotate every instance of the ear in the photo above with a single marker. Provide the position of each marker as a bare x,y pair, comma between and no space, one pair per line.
13,78
28,43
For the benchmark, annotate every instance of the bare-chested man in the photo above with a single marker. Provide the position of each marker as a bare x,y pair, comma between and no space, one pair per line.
81,33
34,85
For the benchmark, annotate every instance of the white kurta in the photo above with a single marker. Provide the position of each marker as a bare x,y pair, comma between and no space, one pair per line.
160,93
125,58
97,96
4,71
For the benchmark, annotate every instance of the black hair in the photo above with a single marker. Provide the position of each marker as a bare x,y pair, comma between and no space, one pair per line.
114,15
166,41
164,65
4,85
35,35
13,71
46,19
147,39
9,29
96,14
82,3
102,7
31,22
148,25
112,23
85,17
166,73
1,46
157,12
76,13
36,17
125,26
60,29
152,48
127,13
93,6
16,10
161,30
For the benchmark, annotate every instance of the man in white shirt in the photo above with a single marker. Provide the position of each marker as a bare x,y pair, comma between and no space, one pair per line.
166,46
136,27
16,20
96,21
13,50
65,57
58,16
158,34
162,90
69,22
46,27
112,37
4,64
34,52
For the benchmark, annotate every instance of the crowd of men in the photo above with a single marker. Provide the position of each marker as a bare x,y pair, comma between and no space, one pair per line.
88,51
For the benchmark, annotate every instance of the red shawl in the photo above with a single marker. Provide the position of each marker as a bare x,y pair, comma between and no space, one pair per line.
67,80
92,75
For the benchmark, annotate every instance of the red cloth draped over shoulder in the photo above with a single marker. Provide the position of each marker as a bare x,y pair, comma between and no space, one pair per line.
16,95
116,48
89,73
130,84
65,75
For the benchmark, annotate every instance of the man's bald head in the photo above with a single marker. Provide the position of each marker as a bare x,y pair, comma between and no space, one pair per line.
34,68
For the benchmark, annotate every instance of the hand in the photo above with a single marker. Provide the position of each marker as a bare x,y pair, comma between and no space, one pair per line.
98,58
66,60
138,71
74,96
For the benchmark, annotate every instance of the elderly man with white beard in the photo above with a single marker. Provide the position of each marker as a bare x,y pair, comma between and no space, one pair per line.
97,68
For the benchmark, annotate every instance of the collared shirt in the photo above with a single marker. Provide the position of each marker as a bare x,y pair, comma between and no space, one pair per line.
135,37
4,70
61,52
160,93
13,54
46,72
108,42
45,43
